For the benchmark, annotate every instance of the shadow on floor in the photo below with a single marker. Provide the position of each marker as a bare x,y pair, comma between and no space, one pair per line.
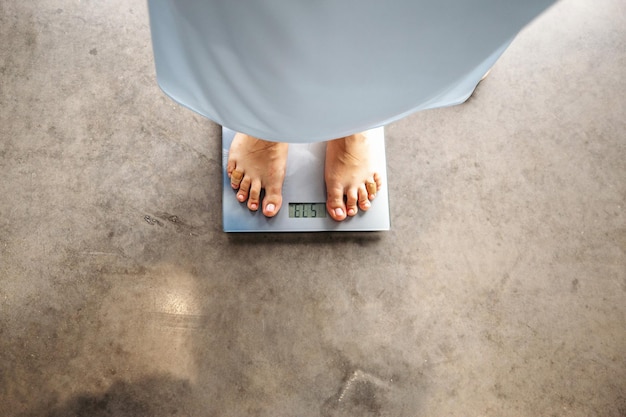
155,396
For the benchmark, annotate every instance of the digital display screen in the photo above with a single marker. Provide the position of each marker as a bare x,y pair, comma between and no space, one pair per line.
307,210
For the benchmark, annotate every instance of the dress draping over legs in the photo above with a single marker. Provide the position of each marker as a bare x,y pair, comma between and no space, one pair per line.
312,70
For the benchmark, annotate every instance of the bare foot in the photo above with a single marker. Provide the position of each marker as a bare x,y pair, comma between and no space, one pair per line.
255,164
347,173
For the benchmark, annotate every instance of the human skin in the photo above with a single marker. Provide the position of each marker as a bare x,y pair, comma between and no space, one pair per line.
255,164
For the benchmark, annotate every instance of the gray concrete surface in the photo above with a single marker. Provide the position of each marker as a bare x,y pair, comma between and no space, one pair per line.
500,291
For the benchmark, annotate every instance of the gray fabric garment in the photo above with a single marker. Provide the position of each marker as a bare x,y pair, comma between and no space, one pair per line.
311,70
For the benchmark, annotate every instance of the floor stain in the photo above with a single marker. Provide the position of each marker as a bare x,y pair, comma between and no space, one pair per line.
362,394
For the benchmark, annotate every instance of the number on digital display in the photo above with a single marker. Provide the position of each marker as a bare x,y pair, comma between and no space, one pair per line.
307,210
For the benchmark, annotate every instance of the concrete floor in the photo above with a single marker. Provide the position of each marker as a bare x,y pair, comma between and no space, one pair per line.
499,291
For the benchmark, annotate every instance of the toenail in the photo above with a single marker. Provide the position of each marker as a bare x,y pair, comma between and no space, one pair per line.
270,208
253,206
241,198
338,212
351,212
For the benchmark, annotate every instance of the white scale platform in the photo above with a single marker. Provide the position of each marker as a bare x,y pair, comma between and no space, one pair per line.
304,194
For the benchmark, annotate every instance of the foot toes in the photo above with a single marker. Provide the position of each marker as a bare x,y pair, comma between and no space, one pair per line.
335,206
255,194
364,202
351,203
244,188
271,209
230,167
371,189
272,201
378,180
235,178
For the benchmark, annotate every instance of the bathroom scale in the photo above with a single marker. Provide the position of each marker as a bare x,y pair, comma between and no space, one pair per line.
304,194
